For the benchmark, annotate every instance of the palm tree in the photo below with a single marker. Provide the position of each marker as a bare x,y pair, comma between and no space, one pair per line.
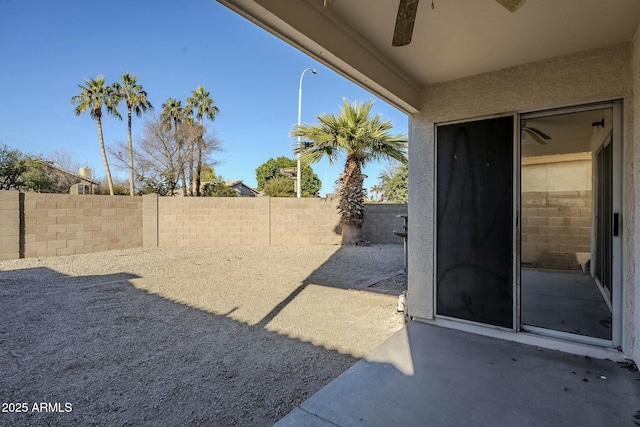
200,101
172,116
93,95
363,139
136,98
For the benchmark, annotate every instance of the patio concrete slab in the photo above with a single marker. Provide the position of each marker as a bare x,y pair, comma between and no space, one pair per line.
426,375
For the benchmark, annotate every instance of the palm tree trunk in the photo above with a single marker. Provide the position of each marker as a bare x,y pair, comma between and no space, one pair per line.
182,167
351,204
104,156
131,186
199,169
199,162
181,174
190,167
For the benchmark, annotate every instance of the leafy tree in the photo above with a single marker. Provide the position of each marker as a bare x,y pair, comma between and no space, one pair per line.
19,171
200,103
208,173
217,188
394,184
94,94
280,186
362,139
154,185
36,178
310,184
136,99
120,188
11,168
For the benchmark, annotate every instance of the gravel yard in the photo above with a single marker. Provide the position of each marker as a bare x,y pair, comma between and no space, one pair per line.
185,336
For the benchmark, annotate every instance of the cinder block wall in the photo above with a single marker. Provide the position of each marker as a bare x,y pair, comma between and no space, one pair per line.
213,221
304,222
10,225
63,224
380,222
33,224
555,223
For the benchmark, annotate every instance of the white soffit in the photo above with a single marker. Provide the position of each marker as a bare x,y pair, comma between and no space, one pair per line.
461,38
455,39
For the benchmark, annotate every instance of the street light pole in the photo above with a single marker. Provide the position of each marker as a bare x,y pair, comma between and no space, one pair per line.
299,170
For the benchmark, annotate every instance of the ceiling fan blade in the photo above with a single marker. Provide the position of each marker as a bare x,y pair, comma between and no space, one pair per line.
539,133
407,10
511,5
535,137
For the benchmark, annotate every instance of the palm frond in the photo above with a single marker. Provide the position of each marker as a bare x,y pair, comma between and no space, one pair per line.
362,138
201,103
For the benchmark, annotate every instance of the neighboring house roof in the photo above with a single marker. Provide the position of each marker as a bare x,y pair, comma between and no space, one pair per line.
241,188
66,172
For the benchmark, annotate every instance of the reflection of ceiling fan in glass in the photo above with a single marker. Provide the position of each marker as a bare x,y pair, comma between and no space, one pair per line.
536,134
407,11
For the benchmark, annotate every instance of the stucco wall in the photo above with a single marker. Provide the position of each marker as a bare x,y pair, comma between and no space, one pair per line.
632,270
595,75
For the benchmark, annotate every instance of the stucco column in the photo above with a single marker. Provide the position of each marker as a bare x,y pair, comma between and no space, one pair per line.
633,257
421,217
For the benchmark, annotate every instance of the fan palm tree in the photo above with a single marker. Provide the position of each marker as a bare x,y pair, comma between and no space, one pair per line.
94,94
136,98
172,116
362,139
201,103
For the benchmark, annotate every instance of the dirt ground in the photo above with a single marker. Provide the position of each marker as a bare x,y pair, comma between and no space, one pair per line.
187,336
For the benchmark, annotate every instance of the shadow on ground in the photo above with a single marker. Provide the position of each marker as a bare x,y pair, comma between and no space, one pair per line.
185,338
123,356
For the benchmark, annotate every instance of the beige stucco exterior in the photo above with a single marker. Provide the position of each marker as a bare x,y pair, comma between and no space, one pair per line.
599,74
630,198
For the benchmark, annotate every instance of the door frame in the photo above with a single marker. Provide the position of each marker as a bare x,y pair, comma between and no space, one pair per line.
514,218
617,207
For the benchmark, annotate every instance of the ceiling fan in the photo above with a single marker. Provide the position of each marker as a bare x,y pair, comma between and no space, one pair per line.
407,11
536,134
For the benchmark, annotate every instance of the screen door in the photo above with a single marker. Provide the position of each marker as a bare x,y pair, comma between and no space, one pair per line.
474,221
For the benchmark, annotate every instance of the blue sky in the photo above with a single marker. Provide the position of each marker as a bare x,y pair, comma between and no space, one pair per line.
47,48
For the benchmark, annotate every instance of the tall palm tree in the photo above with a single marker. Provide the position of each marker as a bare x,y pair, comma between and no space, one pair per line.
93,95
172,116
362,139
201,103
136,98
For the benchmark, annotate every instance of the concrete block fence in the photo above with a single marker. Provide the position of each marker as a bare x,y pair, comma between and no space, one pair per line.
555,223
33,224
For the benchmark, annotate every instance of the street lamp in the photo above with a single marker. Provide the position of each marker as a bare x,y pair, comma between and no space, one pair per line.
299,170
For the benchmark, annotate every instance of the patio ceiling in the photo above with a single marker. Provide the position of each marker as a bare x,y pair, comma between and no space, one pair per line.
452,40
